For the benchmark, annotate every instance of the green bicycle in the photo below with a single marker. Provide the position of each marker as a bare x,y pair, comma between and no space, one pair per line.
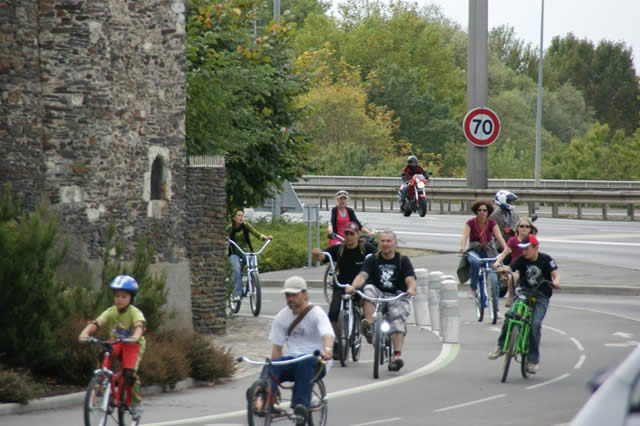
516,343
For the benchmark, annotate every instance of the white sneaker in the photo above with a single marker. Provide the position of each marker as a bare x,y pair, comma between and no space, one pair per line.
532,368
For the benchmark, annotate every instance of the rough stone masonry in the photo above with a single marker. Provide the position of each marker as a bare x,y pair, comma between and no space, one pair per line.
92,119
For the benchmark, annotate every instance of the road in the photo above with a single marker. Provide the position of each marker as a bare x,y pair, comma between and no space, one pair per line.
451,384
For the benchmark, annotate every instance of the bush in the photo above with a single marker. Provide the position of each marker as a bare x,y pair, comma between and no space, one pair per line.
289,247
203,360
30,311
78,359
16,386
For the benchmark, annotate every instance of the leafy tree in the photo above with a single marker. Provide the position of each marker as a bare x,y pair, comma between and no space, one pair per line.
512,51
605,75
242,98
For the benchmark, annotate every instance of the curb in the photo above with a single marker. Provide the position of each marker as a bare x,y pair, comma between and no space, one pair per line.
77,398
565,289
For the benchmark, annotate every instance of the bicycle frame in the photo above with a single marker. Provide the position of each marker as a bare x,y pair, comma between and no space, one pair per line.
347,311
271,395
250,259
483,291
252,287
519,323
118,393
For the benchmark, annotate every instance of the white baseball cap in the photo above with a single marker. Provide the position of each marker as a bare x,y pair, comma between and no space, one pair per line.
294,285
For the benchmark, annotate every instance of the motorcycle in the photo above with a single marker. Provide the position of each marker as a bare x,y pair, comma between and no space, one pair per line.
416,196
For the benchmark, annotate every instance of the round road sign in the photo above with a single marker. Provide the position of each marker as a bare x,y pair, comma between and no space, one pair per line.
481,126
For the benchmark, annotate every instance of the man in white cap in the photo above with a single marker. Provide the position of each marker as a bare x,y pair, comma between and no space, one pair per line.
299,329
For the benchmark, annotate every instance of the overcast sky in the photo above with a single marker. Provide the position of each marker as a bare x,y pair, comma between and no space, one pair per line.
595,20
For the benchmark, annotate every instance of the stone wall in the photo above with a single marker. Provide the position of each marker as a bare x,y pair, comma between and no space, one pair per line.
206,207
95,95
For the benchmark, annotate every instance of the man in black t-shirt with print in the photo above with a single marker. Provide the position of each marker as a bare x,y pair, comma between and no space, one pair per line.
348,258
389,273
537,275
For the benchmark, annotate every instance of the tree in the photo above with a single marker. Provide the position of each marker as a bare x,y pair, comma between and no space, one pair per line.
512,51
241,98
605,75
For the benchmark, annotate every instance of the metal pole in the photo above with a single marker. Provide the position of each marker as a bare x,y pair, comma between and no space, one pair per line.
477,91
539,109
276,10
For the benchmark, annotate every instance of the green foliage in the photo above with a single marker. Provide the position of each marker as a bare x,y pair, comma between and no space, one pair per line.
604,73
30,312
241,98
152,296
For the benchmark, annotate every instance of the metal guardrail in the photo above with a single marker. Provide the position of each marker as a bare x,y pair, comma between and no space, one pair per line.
388,193
337,182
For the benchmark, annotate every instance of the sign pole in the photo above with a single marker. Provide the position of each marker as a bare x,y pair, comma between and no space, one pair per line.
477,91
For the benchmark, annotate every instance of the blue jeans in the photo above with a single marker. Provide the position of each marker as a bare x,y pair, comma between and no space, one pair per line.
236,265
539,312
300,373
474,263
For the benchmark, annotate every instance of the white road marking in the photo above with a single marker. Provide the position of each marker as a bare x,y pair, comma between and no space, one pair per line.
623,335
564,333
581,360
548,382
377,422
466,404
577,343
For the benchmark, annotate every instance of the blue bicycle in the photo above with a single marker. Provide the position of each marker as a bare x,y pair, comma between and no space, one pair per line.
487,292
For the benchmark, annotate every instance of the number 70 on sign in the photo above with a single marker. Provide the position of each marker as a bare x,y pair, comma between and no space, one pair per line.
481,126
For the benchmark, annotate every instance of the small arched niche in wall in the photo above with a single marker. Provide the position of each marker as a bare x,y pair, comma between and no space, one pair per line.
157,185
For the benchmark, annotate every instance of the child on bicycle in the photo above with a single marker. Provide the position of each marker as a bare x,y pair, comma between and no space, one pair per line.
124,321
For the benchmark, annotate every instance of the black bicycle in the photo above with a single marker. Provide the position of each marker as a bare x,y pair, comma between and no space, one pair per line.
348,330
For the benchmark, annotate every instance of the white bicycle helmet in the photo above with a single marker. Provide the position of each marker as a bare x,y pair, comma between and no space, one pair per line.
412,161
504,199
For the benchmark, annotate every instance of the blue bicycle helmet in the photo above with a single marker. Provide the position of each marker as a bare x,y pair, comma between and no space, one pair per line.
126,283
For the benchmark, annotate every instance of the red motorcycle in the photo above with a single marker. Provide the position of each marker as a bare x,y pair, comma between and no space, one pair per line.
416,196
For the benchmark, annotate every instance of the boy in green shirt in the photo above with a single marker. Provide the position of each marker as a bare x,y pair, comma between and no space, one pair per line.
124,321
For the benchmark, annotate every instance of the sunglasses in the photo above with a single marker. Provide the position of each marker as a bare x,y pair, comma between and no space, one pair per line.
524,226
482,210
349,233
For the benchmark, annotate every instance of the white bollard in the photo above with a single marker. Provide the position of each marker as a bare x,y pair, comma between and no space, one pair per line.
434,299
421,299
449,313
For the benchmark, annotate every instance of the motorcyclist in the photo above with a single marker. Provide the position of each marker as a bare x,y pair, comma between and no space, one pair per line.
505,216
412,168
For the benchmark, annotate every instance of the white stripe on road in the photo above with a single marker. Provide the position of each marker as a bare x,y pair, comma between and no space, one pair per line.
466,404
557,379
378,422
577,343
583,357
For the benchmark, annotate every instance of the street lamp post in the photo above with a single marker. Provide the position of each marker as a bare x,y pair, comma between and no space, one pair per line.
539,106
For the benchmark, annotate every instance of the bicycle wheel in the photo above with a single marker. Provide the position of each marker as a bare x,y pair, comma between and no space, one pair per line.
378,357
511,348
258,408
342,340
124,415
319,408
356,338
255,297
97,401
328,283
492,286
479,304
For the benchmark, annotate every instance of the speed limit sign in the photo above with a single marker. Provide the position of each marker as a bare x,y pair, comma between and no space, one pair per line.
481,126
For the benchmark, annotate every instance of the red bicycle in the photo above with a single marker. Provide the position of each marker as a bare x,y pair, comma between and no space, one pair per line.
108,392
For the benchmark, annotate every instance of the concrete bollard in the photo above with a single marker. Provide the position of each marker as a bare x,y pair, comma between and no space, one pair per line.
434,299
449,312
421,299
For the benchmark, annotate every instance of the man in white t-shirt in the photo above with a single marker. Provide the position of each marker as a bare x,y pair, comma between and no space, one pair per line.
313,332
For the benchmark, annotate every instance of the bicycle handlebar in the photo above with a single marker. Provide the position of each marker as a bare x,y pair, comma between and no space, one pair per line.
382,299
95,340
244,253
315,354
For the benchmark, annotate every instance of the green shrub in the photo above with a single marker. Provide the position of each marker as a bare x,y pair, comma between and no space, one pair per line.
30,310
17,386
289,247
79,359
208,362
